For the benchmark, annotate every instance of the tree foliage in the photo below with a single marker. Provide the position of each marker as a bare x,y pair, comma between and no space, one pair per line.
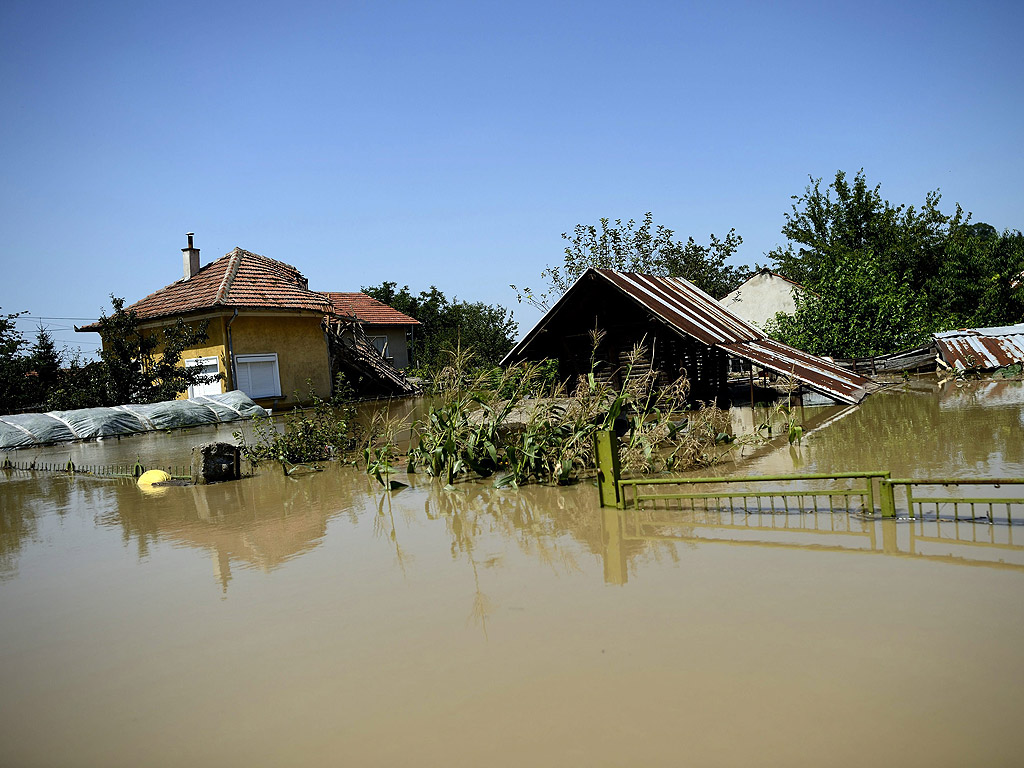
13,365
884,276
643,248
135,366
145,366
490,330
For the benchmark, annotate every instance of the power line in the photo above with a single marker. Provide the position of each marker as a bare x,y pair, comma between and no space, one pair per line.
29,316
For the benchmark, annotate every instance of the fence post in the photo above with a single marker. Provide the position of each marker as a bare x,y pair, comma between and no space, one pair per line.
607,457
887,500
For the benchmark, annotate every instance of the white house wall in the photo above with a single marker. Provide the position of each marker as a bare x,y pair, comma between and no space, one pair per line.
760,298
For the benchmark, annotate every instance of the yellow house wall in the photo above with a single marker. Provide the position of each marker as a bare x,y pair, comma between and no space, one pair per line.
214,346
298,341
300,346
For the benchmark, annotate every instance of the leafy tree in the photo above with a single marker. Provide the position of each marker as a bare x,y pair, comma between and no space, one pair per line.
80,384
643,248
145,367
490,330
826,224
135,366
885,276
873,321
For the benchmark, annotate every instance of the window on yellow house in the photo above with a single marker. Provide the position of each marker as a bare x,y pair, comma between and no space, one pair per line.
258,375
210,368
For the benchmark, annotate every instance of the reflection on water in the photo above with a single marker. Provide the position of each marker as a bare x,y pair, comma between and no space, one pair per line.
949,541
968,429
281,620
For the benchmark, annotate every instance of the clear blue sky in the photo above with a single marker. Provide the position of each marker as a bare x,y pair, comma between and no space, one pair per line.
452,143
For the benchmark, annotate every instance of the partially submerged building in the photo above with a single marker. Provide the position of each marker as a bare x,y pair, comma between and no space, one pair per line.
269,335
981,348
389,331
683,329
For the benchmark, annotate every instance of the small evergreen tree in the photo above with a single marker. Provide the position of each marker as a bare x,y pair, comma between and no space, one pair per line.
43,364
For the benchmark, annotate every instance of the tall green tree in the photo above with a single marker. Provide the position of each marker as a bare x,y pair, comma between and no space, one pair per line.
643,248
885,276
44,366
872,321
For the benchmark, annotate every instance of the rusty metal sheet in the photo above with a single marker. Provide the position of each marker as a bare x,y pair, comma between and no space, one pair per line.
685,306
982,348
819,374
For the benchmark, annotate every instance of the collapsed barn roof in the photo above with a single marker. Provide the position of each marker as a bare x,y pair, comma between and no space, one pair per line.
600,297
982,348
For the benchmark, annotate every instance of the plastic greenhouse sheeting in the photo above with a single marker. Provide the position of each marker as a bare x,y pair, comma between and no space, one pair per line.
179,413
37,428
26,429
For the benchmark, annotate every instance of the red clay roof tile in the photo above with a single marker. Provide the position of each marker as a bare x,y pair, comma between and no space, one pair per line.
239,279
367,309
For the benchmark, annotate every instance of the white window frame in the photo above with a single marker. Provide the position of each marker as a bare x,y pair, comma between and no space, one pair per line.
195,362
269,357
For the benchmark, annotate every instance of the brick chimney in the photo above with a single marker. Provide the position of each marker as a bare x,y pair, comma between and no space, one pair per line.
190,257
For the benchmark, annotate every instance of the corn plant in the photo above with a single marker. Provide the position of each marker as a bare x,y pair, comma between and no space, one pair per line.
381,450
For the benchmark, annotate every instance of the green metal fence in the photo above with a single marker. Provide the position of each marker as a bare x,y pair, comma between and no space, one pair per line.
953,505
845,491
856,492
178,472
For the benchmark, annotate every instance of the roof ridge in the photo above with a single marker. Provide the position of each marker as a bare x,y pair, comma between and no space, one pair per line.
229,275
277,262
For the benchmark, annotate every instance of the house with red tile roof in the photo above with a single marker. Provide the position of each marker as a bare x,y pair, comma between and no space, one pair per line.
268,333
391,332
265,326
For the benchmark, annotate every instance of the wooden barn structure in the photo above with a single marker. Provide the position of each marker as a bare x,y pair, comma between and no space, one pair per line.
683,329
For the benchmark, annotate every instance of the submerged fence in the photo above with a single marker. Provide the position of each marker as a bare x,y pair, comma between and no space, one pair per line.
846,492
633,492
957,507
179,472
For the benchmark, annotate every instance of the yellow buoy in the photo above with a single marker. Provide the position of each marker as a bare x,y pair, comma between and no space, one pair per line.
154,476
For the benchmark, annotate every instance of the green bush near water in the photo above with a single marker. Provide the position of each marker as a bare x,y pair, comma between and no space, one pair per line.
324,430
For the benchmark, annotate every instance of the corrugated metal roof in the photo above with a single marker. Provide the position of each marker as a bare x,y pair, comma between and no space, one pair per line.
982,347
689,310
684,305
818,373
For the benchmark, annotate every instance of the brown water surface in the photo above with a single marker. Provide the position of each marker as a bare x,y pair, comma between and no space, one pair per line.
317,621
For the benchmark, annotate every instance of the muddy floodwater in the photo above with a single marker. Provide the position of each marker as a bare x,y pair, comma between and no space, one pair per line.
315,620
